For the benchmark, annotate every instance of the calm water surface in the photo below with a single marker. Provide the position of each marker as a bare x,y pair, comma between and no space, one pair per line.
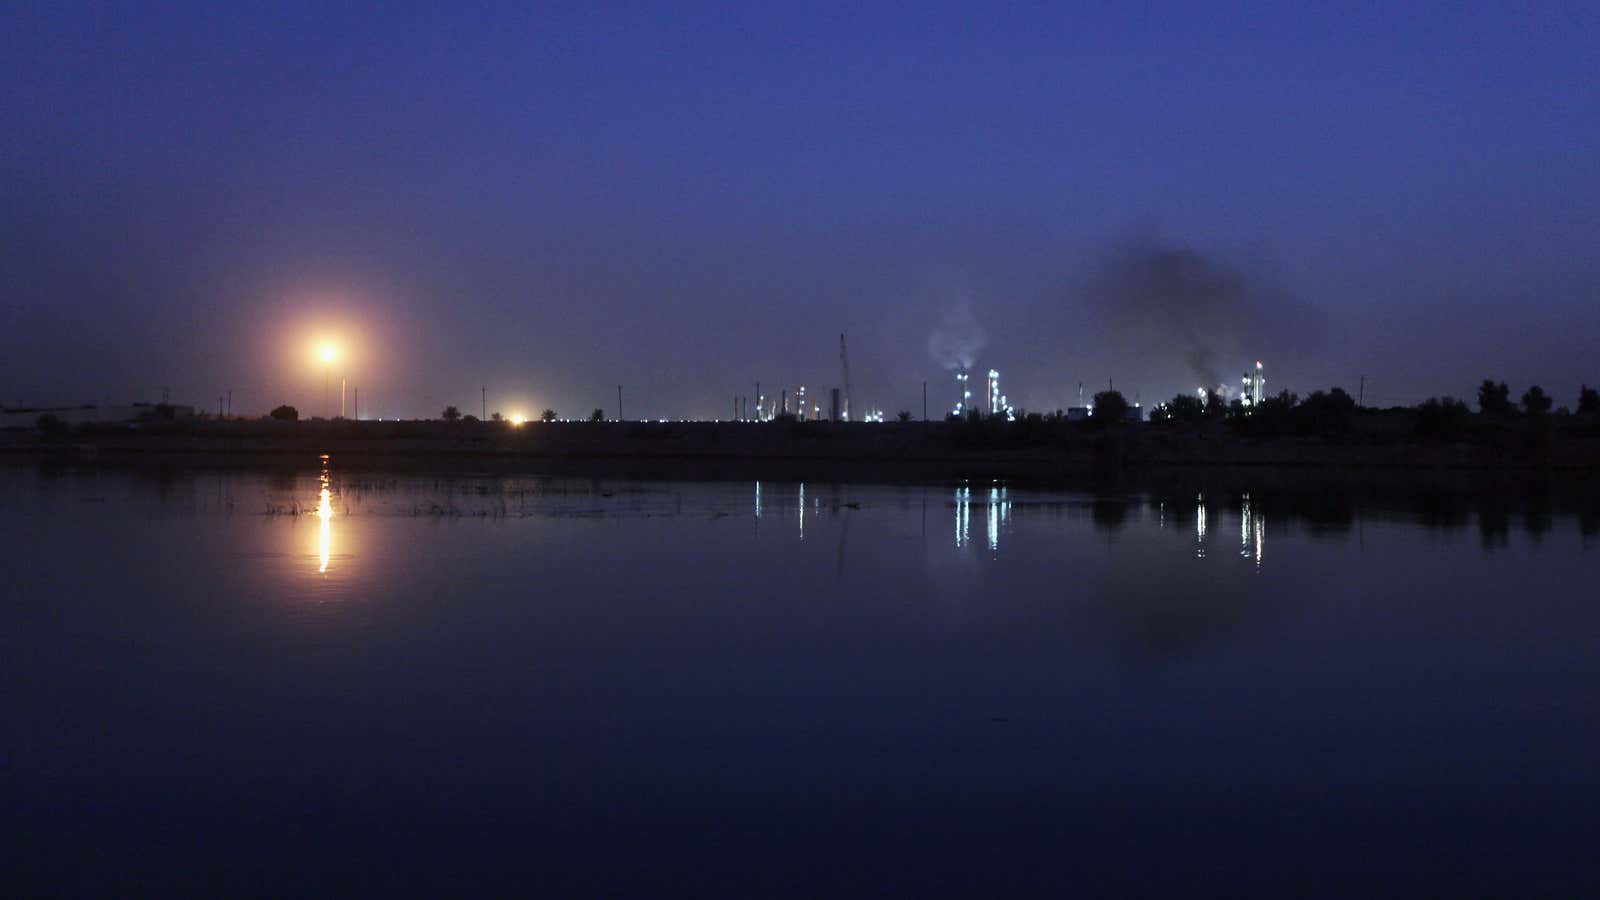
339,682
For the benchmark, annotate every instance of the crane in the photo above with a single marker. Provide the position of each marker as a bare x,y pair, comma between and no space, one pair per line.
844,363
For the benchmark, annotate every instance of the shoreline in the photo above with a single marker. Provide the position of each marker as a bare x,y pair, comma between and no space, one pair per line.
912,451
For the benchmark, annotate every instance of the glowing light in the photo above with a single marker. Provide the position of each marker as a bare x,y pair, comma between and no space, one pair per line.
963,516
518,419
325,528
991,516
327,353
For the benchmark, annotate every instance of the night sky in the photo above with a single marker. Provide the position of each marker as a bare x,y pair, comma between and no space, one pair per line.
687,199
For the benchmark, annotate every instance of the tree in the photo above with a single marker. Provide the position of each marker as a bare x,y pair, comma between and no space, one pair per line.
1536,401
1110,406
52,425
451,414
286,413
903,415
1326,413
1443,419
1183,409
1494,399
1274,415
599,415
1588,401
548,415
497,418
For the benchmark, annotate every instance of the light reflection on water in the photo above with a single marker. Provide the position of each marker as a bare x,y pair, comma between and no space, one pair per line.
963,514
520,655
488,499
325,521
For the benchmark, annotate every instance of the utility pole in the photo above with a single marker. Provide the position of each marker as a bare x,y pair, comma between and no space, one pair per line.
483,398
619,403
844,364
342,384
1361,393
924,400
357,403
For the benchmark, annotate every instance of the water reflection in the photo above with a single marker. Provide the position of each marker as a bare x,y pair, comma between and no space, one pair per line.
676,692
998,513
963,515
1316,507
1250,531
325,520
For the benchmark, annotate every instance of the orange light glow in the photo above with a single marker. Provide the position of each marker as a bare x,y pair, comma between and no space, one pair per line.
325,514
324,532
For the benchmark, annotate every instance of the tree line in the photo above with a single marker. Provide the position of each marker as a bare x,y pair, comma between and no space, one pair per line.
1330,413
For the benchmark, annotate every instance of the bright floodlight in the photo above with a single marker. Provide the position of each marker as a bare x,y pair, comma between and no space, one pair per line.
328,353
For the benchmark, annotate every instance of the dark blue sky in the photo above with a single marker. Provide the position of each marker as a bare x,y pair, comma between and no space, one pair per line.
687,199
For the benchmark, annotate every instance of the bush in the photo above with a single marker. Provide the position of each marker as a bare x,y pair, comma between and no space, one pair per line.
285,413
52,425
548,415
451,414
1110,407
1443,419
599,415
1184,409
1327,414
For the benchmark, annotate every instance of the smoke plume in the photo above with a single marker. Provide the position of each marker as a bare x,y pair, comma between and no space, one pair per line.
1173,300
957,338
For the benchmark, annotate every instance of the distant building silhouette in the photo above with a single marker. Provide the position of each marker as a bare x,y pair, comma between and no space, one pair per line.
27,417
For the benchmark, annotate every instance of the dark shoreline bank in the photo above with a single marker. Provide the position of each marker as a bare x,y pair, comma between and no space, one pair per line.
1322,480
889,451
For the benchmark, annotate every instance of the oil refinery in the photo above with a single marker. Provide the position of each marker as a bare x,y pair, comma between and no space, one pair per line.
801,405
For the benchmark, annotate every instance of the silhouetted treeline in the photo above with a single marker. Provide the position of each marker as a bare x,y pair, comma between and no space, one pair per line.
1334,414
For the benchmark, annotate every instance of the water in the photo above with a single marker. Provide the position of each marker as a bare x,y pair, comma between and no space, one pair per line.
339,682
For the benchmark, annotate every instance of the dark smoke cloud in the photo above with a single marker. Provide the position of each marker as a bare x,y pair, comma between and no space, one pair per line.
1170,299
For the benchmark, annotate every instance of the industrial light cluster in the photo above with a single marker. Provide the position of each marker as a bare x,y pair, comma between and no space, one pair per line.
997,402
799,406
